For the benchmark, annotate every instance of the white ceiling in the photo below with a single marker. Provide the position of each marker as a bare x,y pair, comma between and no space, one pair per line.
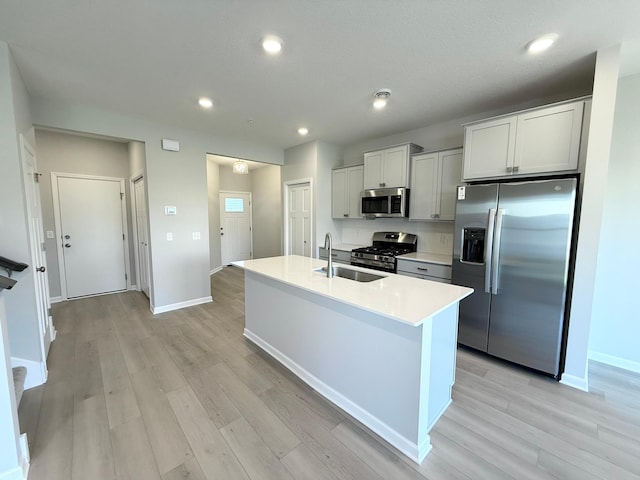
442,59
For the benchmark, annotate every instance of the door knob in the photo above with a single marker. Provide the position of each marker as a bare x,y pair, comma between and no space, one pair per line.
40,269
67,245
221,234
67,237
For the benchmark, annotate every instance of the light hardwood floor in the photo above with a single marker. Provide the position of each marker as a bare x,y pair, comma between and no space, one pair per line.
183,395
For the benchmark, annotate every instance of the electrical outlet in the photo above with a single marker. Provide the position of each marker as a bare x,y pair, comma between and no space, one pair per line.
196,235
169,236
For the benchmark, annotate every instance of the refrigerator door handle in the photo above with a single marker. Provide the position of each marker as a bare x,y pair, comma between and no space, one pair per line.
495,259
488,254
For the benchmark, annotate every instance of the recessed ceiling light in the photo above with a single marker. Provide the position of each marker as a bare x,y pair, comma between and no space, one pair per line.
542,43
303,130
272,44
205,102
380,98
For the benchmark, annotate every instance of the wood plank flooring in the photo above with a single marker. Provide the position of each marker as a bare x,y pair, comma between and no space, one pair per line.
183,395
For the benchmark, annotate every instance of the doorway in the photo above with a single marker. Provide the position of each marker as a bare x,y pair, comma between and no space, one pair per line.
90,219
46,329
298,215
236,239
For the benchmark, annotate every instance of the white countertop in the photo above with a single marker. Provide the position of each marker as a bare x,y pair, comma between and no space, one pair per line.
405,299
425,257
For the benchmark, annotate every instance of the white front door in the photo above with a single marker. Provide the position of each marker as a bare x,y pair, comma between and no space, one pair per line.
299,219
143,235
91,228
235,227
38,254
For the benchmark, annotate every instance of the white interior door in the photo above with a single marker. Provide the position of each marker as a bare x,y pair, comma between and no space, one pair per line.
299,219
143,235
91,226
38,254
235,227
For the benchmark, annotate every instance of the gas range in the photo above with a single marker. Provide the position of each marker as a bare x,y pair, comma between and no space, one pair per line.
386,247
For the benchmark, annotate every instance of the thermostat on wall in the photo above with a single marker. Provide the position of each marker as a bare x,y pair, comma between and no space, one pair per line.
171,145
170,210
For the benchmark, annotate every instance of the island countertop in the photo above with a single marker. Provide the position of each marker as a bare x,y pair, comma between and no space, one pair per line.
405,299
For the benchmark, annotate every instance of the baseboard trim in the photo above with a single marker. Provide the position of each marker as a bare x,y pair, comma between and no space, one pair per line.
613,361
581,383
25,456
56,299
415,452
36,371
177,306
215,270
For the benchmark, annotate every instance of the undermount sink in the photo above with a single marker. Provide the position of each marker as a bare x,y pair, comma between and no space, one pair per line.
356,275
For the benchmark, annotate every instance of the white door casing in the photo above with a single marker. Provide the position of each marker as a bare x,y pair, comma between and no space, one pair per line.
142,235
236,238
298,217
90,219
31,178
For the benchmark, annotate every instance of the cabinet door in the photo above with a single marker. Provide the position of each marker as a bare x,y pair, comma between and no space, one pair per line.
373,169
424,183
489,148
449,176
395,166
338,193
548,140
355,177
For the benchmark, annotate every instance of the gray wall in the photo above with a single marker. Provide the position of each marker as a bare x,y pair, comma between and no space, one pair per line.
213,190
614,327
267,211
22,320
137,159
63,153
180,268
233,182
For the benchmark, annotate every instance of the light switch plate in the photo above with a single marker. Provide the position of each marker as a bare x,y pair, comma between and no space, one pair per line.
169,236
50,234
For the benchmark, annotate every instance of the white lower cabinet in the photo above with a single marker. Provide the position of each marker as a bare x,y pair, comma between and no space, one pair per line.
338,256
434,178
427,271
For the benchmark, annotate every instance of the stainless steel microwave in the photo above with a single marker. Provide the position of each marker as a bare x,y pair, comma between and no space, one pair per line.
385,202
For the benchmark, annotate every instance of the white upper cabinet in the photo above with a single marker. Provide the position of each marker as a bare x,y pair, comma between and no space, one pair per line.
388,168
346,186
544,140
434,178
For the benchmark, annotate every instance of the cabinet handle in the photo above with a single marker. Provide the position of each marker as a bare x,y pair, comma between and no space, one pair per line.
509,169
423,269
515,169
334,254
435,215
345,214
383,184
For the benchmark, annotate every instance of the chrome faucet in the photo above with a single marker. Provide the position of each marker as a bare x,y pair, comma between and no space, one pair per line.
329,242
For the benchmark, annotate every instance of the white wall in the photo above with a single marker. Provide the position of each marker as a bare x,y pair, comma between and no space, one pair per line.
593,196
266,189
22,320
328,157
180,268
213,191
615,330
20,323
137,159
233,182
64,153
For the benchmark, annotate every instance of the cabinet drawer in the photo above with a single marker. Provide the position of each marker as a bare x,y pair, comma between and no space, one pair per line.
339,256
425,277
423,268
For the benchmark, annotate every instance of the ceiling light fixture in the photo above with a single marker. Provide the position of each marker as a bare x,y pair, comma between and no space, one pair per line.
240,167
303,131
205,102
380,98
272,44
542,43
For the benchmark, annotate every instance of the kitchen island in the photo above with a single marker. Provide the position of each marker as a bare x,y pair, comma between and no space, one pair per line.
383,351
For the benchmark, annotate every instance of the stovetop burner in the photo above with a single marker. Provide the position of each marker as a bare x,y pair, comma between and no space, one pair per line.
382,254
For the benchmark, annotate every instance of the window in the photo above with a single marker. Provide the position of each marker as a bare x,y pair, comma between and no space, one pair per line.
234,205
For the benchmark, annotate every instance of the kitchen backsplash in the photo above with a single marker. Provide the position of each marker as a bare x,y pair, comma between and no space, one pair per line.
433,237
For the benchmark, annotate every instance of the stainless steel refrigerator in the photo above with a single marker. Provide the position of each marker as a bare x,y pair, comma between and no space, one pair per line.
512,244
